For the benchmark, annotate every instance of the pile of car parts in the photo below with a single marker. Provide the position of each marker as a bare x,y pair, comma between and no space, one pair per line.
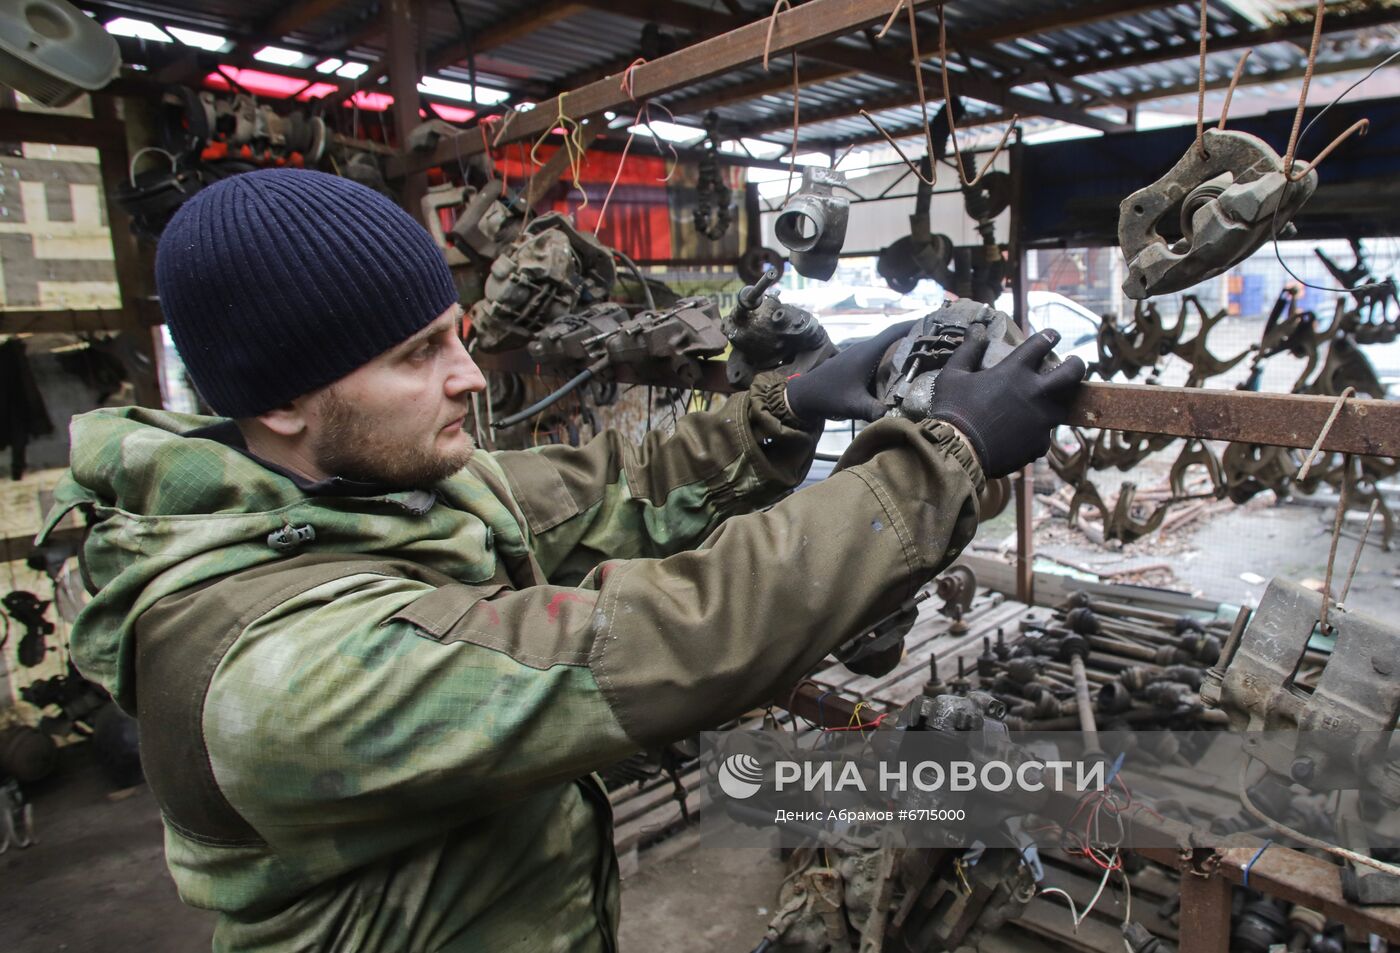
1334,359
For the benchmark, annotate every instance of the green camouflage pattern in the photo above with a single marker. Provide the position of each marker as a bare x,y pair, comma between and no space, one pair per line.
413,795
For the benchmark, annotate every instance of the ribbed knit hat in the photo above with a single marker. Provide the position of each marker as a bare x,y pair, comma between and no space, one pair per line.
278,282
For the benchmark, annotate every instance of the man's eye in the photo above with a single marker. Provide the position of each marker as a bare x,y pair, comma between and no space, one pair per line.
424,351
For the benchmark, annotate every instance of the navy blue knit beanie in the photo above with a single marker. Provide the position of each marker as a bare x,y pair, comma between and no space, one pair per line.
278,282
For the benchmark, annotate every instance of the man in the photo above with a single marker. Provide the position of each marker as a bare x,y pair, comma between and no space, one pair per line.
373,668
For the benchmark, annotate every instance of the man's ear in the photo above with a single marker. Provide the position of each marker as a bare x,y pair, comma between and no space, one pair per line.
289,420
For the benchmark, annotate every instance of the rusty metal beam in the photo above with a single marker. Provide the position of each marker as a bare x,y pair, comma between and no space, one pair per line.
1205,914
135,263
813,22
1284,420
61,130
405,21
869,61
1335,22
779,82
41,321
503,31
1249,79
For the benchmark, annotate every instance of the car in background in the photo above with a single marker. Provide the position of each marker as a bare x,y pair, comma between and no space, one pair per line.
1078,327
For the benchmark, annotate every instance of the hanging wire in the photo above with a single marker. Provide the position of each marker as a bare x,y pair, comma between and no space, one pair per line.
1353,856
574,147
1229,94
642,118
1201,87
952,122
1336,537
1360,547
1311,457
796,91
1312,122
932,178
1361,125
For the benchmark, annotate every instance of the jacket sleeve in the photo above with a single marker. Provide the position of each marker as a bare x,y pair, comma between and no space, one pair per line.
380,698
613,499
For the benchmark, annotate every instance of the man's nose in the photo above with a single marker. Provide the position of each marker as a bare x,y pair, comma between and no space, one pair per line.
465,376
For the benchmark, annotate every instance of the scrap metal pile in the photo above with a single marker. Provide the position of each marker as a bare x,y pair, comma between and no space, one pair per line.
1335,363
1135,675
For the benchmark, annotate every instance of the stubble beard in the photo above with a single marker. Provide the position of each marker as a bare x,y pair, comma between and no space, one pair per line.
355,447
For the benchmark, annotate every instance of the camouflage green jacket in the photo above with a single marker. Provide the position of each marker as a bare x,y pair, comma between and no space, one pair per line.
380,738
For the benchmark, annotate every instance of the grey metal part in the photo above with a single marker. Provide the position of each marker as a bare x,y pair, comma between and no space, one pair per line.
812,226
772,335
1344,725
907,389
1224,231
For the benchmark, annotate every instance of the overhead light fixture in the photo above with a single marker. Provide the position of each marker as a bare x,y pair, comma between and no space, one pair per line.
352,70
137,29
446,88
276,54
329,66
201,41
669,131
488,96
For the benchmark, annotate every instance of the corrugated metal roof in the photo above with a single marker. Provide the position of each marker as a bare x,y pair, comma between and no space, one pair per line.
584,43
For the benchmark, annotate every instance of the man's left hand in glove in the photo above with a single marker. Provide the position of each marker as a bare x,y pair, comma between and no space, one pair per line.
841,387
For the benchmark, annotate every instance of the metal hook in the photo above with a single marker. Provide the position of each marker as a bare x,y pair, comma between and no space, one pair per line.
932,179
948,98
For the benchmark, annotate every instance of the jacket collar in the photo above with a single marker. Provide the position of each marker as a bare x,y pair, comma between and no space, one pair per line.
227,433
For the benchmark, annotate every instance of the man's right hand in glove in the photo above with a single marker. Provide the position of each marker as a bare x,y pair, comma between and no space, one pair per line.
1006,411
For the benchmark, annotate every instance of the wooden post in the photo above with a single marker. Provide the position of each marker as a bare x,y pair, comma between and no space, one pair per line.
1025,480
402,56
1205,913
135,264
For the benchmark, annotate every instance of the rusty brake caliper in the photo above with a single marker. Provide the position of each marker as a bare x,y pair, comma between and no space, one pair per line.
1229,200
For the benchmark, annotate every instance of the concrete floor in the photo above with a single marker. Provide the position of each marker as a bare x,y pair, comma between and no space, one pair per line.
95,882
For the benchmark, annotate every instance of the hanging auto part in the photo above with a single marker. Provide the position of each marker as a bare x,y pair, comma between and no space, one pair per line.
1333,739
1124,524
670,343
1229,201
552,269
713,199
754,262
29,610
812,225
1195,453
906,382
1374,325
922,254
52,52
765,333
1195,352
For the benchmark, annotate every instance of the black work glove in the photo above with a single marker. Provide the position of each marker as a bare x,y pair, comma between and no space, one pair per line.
840,387
1006,411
